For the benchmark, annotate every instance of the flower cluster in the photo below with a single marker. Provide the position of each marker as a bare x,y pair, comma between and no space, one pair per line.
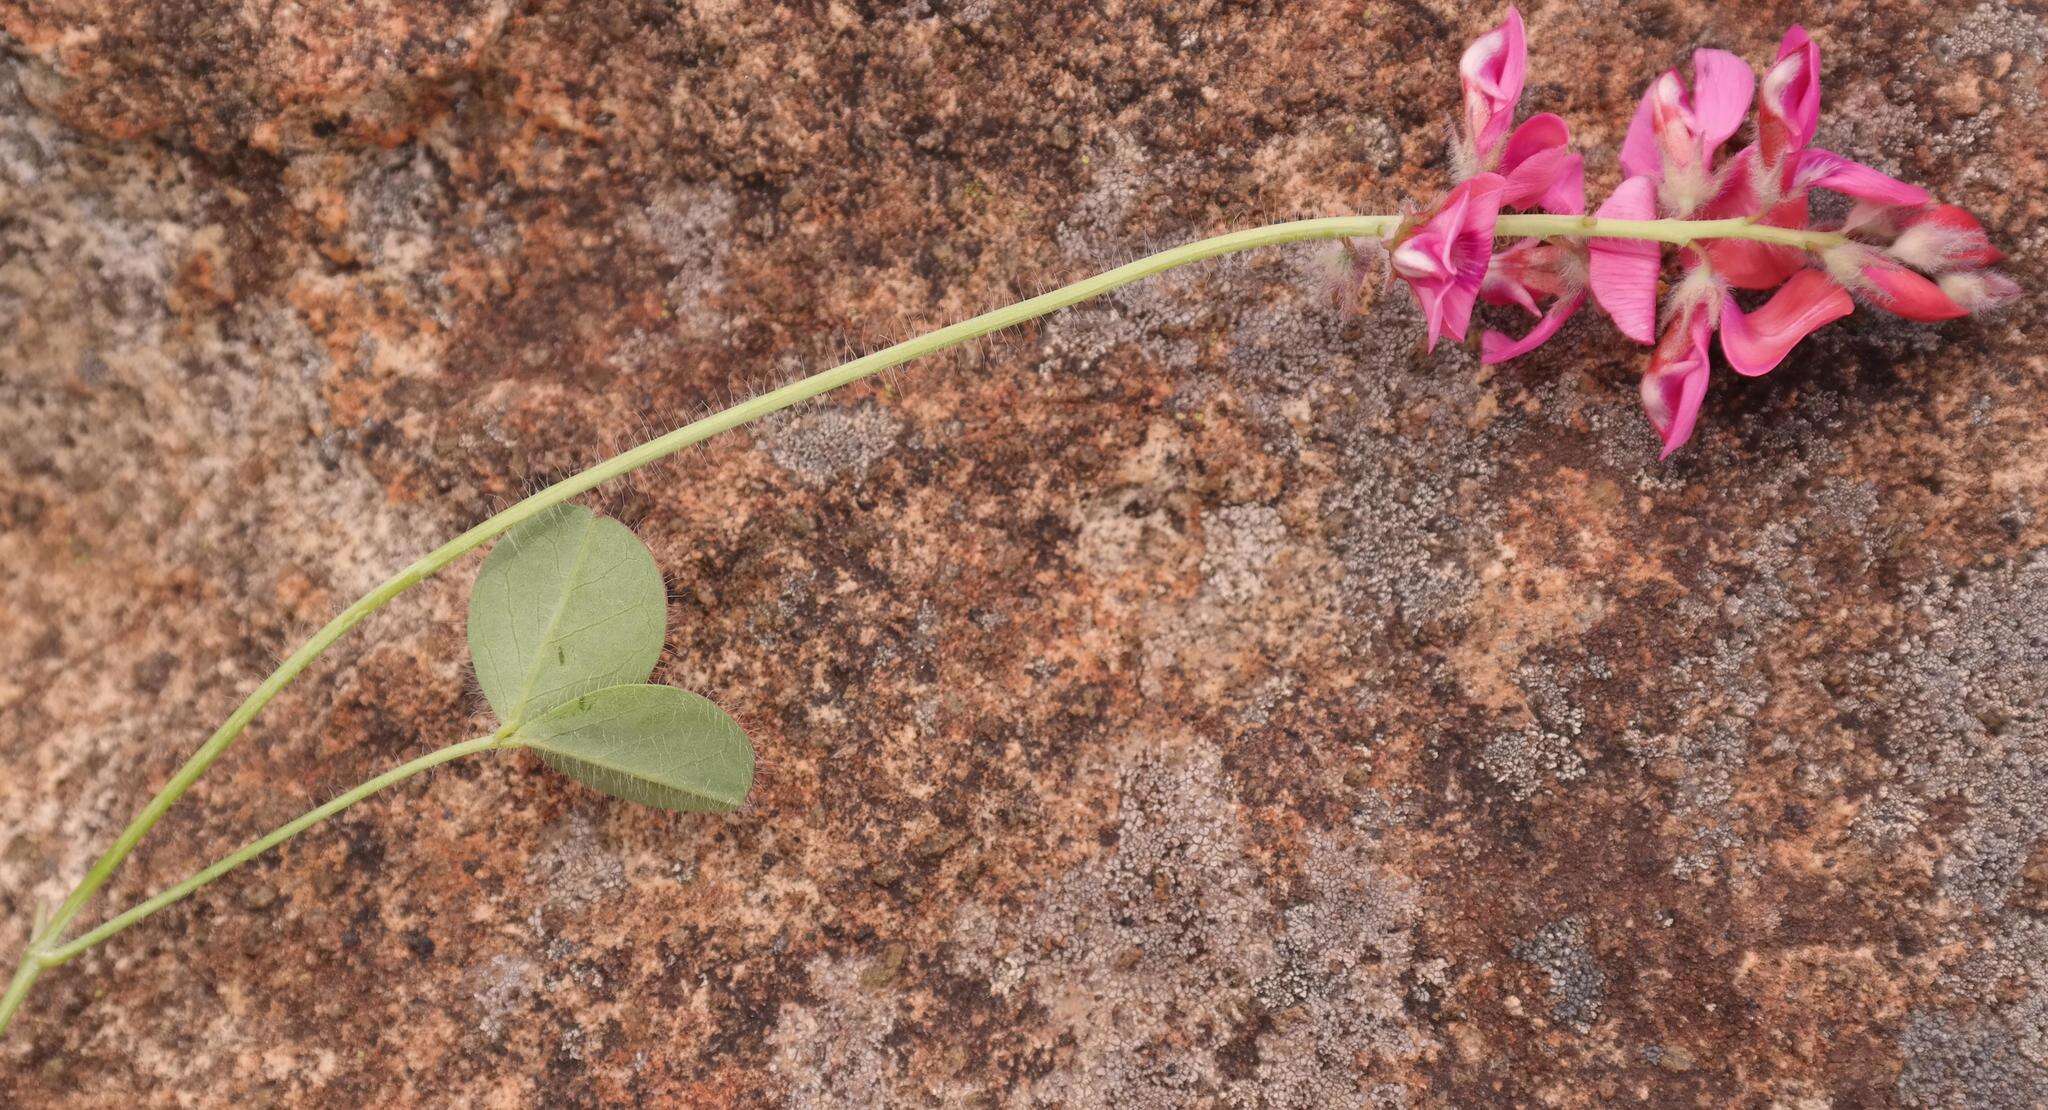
1449,260
1897,249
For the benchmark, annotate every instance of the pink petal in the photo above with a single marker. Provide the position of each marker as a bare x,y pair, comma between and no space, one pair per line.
1623,272
1445,261
1540,171
1538,133
1505,289
1746,264
1673,124
1567,194
1676,381
1902,292
1431,298
1533,177
1639,153
1796,39
1492,71
1496,347
1790,111
1827,170
1441,233
1672,401
1477,249
1680,396
1722,85
1634,199
1756,342
1529,271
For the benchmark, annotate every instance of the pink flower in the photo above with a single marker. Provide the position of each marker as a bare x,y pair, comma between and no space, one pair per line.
1537,169
1676,132
1675,384
1748,264
1889,285
1529,271
1670,156
1492,72
1934,267
1943,237
1676,381
1541,170
1623,272
1445,260
1788,111
1898,250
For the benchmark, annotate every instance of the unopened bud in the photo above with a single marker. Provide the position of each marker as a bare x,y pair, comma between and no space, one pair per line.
1979,290
1944,237
1880,279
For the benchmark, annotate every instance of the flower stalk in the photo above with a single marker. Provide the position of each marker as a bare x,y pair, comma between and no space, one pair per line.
48,946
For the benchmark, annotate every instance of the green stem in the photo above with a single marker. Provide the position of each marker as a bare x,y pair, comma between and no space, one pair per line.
51,957
1669,231
17,988
1679,232
42,955
659,448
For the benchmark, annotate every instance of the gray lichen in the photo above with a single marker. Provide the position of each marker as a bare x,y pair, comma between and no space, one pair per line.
1578,987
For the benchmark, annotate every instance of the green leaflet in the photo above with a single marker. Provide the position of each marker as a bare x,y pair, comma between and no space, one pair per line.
567,603
655,745
565,624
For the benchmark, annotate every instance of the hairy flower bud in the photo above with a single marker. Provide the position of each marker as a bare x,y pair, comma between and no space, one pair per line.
1945,237
1888,285
1979,291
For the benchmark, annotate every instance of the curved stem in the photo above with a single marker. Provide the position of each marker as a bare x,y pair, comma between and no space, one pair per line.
41,956
1670,231
67,952
662,447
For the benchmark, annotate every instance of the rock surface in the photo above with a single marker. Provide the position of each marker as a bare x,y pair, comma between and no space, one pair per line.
1198,698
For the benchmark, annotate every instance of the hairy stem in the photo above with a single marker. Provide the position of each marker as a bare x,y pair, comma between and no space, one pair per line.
48,940
67,952
39,958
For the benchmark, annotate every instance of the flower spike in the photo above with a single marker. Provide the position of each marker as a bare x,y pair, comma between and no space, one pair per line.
1898,250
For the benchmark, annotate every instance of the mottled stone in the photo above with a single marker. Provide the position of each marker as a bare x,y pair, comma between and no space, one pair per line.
1197,698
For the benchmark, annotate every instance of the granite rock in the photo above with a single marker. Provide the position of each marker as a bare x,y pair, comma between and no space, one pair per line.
1198,698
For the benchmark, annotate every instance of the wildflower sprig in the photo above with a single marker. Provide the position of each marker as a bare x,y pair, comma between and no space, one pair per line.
1898,250
568,614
